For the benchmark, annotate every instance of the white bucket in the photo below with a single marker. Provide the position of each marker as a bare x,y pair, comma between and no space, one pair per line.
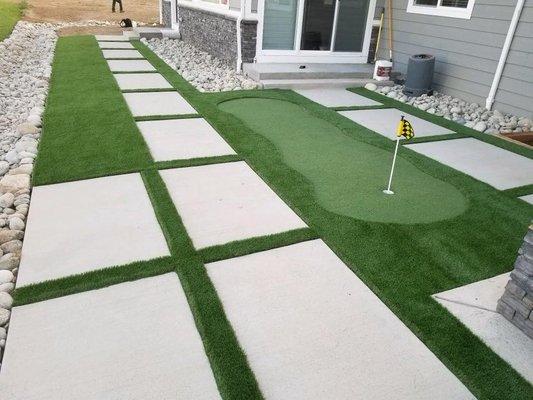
382,70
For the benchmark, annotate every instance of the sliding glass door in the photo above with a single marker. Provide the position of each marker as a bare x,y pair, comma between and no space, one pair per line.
315,28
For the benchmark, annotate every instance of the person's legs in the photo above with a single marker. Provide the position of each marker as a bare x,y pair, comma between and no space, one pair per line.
113,6
120,4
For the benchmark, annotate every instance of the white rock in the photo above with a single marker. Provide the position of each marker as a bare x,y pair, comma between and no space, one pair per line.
4,167
16,224
6,301
7,287
22,169
14,183
27,129
34,120
4,316
371,86
6,200
480,126
6,276
3,333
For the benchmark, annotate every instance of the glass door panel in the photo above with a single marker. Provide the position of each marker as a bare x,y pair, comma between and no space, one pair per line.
279,24
351,25
317,26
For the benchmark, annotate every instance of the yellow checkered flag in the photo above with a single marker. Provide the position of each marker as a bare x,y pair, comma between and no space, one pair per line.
405,129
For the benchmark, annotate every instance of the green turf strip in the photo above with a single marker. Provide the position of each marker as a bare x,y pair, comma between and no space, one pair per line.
348,176
88,128
256,244
10,13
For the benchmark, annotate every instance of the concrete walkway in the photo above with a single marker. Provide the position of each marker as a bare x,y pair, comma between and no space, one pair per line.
310,328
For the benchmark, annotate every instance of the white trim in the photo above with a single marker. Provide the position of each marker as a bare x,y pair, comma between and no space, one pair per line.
174,24
441,11
310,56
222,9
504,53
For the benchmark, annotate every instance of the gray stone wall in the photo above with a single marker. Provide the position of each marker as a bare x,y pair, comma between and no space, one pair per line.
210,32
373,44
166,14
248,40
516,304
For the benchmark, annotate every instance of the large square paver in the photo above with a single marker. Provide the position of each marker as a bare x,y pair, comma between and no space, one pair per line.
500,168
221,203
527,198
109,54
385,121
157,103
115,45
130,66
142,81
336,97
81,226
112,38
179,139
135,341
475,306
312,330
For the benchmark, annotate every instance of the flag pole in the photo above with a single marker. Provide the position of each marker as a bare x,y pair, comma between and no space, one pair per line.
388,191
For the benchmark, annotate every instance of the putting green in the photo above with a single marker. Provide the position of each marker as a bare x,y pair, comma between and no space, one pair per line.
348,176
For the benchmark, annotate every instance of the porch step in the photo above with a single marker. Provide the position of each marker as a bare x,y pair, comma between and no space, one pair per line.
156,33
310,83
294,71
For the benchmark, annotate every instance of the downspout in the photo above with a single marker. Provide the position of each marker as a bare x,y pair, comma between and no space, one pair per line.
239,38
503,55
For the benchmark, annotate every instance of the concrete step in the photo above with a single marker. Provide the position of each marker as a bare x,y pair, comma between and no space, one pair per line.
155,32
300,71
313,83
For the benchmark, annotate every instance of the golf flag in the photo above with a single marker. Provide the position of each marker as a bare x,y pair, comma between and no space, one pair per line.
405,129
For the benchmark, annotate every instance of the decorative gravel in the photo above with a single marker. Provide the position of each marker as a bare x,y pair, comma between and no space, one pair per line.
25,69
205,72
471,115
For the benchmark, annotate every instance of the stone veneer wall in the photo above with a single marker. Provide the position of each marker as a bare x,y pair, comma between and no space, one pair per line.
248,40
516,304
166,13
213,33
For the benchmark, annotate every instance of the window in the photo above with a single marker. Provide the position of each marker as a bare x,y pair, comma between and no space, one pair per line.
445,8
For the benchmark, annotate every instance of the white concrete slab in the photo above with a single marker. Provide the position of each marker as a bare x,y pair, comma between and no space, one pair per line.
312,330
138,81
130,66
157,103
135,341
490,164
115,45
385,121
483,294
181,139
81,226
528,198
336,97
109,54
221,203
475,306
112,38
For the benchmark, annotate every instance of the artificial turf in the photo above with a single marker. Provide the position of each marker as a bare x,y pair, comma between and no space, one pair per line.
404,264
10,13
88,128
348,176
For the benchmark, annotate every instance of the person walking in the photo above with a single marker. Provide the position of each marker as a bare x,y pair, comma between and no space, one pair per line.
119,3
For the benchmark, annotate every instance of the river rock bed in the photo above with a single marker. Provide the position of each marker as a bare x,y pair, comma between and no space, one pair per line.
25,70
471,115
203,71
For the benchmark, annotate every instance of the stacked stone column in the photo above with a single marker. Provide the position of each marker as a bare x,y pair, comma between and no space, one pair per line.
516,304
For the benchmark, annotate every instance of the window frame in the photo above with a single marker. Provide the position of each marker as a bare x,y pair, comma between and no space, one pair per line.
442,11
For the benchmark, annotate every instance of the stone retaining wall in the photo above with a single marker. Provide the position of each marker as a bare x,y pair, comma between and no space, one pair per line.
166,13
213,33
516,304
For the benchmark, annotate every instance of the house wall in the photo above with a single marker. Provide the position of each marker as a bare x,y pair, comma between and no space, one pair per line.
467,51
